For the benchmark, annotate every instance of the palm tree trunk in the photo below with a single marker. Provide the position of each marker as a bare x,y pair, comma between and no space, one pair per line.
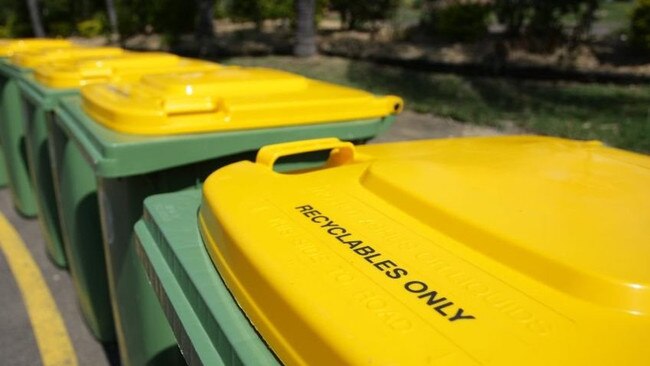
305,28
112,20
204,32
35,16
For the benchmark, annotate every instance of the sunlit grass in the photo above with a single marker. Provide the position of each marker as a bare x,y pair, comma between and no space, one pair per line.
617,115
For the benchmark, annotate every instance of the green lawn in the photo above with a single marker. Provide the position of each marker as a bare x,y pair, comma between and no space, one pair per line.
617,115
406,16
615,14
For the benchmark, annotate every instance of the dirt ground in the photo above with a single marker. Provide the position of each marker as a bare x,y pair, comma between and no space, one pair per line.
416,126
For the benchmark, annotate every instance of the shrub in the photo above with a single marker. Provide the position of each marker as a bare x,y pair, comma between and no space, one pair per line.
7,27
92,27
458,20
57,18
174,17
59,29
355,14
260,10
14,19
542,23
221,9
640,25
170,17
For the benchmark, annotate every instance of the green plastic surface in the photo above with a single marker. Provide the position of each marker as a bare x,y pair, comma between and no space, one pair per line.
88,269
40,101
116,154
3,169
210,327
124,170
76,194
13,139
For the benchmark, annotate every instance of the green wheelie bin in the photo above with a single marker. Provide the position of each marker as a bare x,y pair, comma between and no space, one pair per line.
120,143
54,80
13,164
209,326
38,101
42,93
466,251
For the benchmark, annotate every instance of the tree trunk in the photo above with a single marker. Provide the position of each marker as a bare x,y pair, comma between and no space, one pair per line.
112,21
35,16
305,28
204,32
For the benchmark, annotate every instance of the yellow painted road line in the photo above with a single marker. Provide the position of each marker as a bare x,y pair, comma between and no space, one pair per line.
49,330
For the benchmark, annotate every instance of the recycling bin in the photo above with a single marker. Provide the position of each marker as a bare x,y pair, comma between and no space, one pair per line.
123,142
492,250
41,94
54,80
208,324
34,146
13,169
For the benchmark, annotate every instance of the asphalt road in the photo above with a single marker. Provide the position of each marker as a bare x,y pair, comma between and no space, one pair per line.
18,345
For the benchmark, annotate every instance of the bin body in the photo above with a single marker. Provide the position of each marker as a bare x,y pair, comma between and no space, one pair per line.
53,80
3,170
13,162
12,135
41,94
7,49
120,170
206,320
37,102
501,250
38,107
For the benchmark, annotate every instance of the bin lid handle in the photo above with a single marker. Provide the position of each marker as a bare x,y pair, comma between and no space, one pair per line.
342,152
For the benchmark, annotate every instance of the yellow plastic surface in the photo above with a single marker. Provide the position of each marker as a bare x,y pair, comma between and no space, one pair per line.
8,47
127,67
32,59
230,98
499,251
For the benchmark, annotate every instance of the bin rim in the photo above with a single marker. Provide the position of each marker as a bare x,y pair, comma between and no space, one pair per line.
114,154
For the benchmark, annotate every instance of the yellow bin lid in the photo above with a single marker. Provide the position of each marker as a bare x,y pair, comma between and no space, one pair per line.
501,251
231,98
127,67
8,47
30,59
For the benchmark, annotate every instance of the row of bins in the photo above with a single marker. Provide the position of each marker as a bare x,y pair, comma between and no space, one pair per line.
302,247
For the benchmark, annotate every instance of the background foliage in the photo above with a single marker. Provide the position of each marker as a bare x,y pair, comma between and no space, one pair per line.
640,25
457,20
171,17
543,24
14,19
539,26
356,14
